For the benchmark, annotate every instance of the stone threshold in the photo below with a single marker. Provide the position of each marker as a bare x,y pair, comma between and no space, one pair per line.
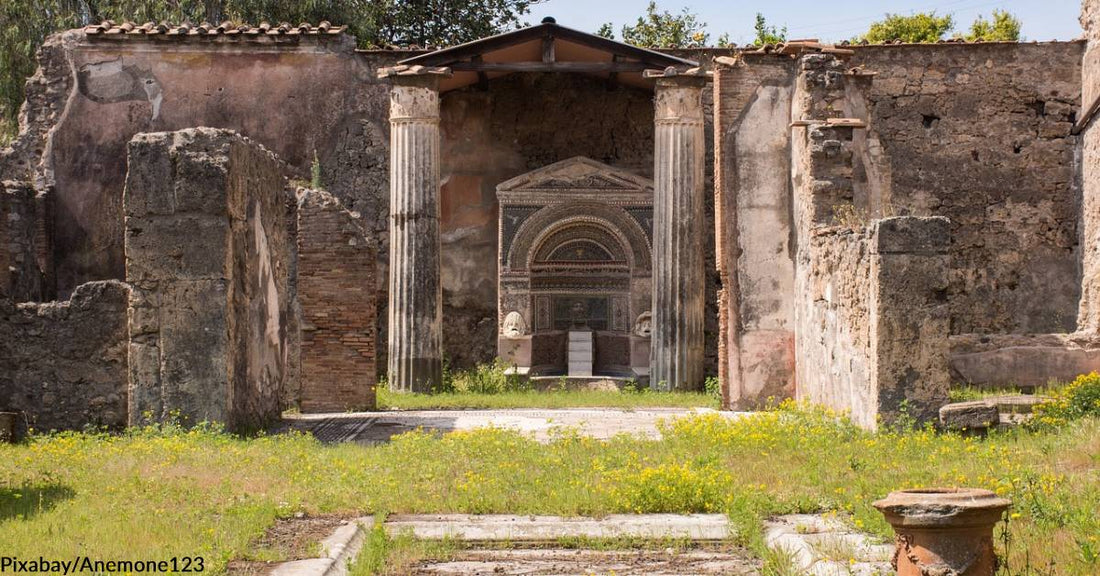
340,549
533,530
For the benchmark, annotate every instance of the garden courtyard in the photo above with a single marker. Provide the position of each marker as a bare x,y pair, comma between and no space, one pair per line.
167,491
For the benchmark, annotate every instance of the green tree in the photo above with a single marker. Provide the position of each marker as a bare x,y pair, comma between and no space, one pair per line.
768,34
1003,28
915,28
666,30
606,31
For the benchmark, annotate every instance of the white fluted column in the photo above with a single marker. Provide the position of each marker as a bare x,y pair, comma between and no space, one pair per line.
415,341
676,361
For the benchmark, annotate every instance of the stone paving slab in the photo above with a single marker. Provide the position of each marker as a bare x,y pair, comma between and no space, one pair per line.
821,545
533,529
573,562
338,550
600,423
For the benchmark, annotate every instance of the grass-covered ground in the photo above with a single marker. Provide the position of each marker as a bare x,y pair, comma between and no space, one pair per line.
162,492
552,399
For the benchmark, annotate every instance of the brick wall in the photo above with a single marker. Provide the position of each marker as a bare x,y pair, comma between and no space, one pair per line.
336,291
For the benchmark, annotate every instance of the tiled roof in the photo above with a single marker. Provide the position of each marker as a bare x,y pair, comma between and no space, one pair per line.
109,29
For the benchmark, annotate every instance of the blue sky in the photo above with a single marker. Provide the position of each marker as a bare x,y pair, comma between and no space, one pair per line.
830,20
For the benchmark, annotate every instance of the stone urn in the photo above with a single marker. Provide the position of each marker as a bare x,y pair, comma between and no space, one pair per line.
943,531
7,426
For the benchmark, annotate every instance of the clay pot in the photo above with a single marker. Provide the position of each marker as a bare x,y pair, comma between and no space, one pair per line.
944,530
7,426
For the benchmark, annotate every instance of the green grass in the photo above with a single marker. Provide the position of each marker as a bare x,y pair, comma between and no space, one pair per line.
552,399
163,492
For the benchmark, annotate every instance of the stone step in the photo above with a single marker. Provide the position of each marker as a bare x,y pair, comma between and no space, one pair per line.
580,369
580,336
583,347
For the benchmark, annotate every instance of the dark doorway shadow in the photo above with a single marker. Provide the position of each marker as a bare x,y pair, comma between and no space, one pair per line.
30,500
366,429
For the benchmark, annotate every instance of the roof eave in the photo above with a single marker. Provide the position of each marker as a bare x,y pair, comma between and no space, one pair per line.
469,49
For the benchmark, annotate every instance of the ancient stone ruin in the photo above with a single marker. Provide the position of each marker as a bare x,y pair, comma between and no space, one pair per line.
858,226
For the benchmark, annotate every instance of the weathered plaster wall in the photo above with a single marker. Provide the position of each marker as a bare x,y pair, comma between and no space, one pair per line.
1088,320
1022,360
755,257
206,259
337,261
980,133
63,364
296,98
92,96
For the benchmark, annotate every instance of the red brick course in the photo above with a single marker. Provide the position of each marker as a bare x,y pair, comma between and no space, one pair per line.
336,290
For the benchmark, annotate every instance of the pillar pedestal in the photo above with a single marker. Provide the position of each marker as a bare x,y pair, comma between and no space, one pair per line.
678,231
943,531
415,343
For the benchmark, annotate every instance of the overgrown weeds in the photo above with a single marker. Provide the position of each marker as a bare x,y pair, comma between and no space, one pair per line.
168,491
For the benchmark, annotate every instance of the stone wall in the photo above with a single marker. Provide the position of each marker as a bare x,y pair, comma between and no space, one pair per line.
1089,157
63,364
872,324
93,95
206,258
871,321
21,234
981,134
753,227
336,290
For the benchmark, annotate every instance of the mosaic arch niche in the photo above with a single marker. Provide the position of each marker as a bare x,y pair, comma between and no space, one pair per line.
575,253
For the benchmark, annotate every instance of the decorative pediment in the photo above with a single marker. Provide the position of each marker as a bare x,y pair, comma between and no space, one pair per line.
577,178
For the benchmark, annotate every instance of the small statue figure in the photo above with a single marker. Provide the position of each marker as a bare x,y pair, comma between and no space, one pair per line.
578,314
514,325
643,326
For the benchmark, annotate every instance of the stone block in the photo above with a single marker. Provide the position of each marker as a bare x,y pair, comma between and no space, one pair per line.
977,415
207,258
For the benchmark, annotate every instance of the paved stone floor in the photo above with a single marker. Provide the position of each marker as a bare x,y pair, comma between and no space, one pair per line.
375,427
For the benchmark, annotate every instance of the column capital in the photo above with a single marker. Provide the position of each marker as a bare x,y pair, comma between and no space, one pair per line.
679,99
414,99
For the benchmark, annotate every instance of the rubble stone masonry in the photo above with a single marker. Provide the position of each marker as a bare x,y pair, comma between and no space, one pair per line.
20,275
63,364
206,256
